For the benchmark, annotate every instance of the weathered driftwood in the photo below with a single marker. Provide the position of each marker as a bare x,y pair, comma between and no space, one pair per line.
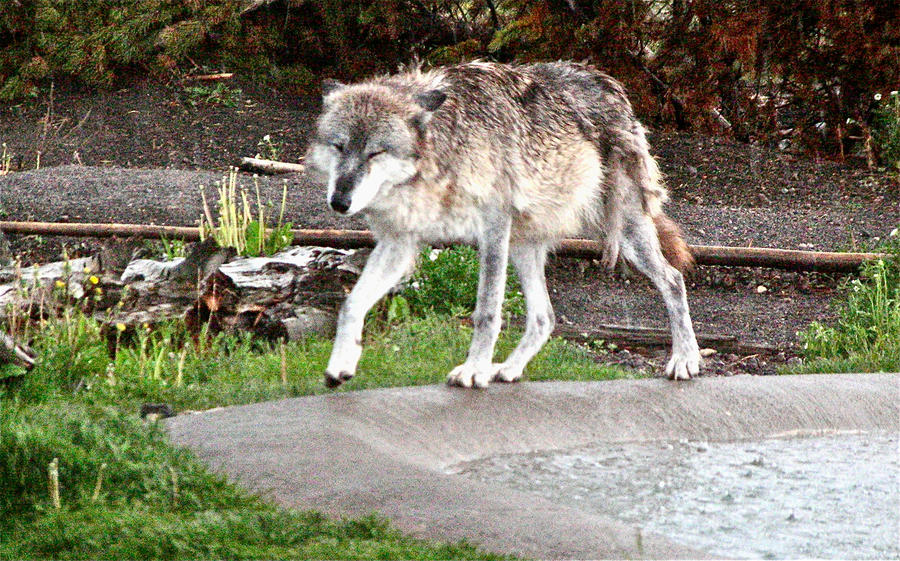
787,259
289,295
269,166
211,77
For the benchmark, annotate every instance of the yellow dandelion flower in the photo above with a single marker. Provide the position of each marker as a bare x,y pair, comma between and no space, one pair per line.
60,284
93,279
120,326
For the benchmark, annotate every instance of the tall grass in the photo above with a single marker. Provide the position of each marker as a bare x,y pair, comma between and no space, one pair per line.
169,364
866,335
239,226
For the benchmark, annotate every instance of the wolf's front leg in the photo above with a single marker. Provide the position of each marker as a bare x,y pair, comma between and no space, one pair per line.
493,249
389,261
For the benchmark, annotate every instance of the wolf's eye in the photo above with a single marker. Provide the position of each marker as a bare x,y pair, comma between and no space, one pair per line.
376,153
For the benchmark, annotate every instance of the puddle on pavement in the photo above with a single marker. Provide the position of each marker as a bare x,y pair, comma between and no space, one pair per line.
823,497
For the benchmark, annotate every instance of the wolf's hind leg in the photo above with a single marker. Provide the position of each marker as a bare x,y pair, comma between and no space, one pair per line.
386,266
640,247
493,253
529,262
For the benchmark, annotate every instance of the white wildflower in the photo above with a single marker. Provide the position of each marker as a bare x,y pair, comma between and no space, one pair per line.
878,97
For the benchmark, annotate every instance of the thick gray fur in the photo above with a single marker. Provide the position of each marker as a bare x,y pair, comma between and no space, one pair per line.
510,158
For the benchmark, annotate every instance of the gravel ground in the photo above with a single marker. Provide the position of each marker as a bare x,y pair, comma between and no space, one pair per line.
142,153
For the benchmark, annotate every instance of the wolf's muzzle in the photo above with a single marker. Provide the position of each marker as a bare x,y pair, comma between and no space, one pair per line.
340,203
343,193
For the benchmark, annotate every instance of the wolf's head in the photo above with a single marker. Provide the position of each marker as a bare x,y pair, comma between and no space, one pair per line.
368,140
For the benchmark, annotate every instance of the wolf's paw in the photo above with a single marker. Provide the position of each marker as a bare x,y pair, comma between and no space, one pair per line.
342,364
683,365
506,373
469,376
335,380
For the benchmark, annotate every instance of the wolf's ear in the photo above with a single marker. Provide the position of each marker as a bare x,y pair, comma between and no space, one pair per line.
330,86
430,100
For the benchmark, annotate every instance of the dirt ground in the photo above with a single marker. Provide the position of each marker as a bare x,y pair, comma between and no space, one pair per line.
141,154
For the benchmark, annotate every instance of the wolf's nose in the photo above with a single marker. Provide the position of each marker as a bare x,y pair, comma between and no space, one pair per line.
340,204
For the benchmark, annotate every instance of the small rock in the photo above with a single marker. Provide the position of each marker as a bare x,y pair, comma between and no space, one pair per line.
794,361
692,170
156,411
761,289
752,364
707,352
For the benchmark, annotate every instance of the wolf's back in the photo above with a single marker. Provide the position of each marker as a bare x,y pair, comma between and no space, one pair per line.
496,114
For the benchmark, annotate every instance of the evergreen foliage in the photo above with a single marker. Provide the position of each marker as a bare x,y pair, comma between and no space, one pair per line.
803,71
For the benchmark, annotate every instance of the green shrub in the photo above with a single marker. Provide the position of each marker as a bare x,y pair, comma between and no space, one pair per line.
886,129
219,94
866,334
446,282
93,40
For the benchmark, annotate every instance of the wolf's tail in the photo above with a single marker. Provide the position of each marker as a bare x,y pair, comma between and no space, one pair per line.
673,246
644,174
654,194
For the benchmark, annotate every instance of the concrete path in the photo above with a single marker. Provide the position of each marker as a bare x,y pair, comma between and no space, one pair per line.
392,451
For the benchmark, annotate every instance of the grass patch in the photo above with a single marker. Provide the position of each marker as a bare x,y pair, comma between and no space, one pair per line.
866,335
165,365
155,501
79,405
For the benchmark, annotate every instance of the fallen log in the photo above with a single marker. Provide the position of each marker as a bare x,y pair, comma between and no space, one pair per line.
786,259
289,295
269,166
726,256
658,337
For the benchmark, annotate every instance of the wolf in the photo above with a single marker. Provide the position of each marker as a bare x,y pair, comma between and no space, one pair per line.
512,159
